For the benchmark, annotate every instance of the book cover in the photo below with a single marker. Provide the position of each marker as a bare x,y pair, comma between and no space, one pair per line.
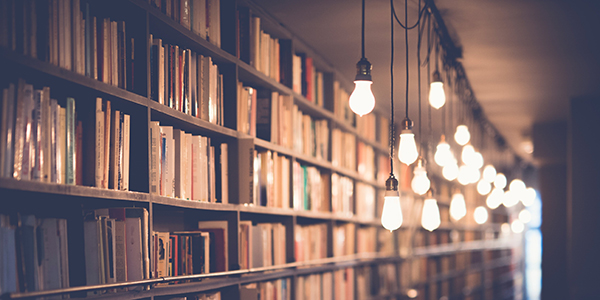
7,131
70,123
126,150
154,157
218,244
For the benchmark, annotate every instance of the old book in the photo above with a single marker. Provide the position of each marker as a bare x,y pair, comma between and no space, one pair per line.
219,253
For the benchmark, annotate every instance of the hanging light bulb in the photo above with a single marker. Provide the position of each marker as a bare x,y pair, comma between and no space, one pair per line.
510,198
420,183
489,173
517,226
500,181
464,175
528,197
525,216
361,100
437,97
462,135
480,214
391,216
467,154
458,208
474,174
450,171
443,154
477,160
407,152
517,186
430,218
494,199
483,187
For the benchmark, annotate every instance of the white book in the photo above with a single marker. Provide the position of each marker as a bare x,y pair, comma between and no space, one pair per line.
188,166
155,157
224,173
196,168
51,265
134,249
61,148
92,245
99,144
126,147
179,157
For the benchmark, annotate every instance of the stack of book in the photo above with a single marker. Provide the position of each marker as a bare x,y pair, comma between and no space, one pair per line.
271,179
343,149
203,17
246,108
187,166
310,188
315,286
280,289
34,254
311,136
310,242
262,245
186,81
43,141
343,239
365,201
342,195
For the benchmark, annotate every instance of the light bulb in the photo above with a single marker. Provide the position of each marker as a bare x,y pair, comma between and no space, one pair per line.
420,183
391,216
505,228
517,226
489,173
407,151
510,198
450,171
467,154
525,216
458,208
480,215
443,154
362,100
474,174
430,218
494,199
437,97
477,160
500,181
483,187
517,185
464,175
528,197
462,135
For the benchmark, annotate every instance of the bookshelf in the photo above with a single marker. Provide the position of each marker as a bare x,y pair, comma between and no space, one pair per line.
337,198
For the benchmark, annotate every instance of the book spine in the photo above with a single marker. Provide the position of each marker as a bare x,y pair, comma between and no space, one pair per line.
36,137
61,155
70,140
126,147
8,131
46,135
107,142
99,145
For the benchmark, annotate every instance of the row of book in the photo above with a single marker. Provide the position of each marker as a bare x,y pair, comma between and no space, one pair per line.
318,286
306,80
365,201
310,242
116,245
66,34
366,239
280,289
274,113
342,195
343,239
262,245
264,50
343,149
186,81
271,179
376,280
34,254
365,161
203,17
44,141
311,136
187,166
203,296
310,188
341,108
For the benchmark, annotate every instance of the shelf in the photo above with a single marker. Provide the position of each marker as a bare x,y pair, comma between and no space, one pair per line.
464,246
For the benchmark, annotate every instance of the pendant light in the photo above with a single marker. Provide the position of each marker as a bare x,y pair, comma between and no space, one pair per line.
420,183
483,187
451,170
458,208
500,181
480,214
437,96
529,197
391,217
361,100
462,135
489,173
407,152
430,217
494,198
443,155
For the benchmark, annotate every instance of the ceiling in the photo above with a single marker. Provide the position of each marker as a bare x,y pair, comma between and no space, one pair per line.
524,58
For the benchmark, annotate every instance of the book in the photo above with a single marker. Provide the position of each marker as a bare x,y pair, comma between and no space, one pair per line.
70,123
7,133
219,253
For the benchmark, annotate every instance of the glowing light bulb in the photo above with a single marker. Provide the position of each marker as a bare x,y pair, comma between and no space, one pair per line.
500,181
525,216
480,215
362,100
462,135
510,198
474,174
420,183
407,152
467,154
483,187
450,171
430,218
391,216
505,228
477,160
529,197
463,175
458,208
494,199
489,173
437,96
517,185
517,226
443,154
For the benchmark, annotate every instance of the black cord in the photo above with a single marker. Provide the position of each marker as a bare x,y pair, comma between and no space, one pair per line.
421,11
392,137
406,41
363,30
419,84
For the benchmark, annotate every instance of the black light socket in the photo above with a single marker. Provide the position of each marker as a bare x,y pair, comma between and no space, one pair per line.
363,70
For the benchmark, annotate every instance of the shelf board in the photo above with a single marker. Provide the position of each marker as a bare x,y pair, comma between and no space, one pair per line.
193,204
273,147
464,246
70,76
70,190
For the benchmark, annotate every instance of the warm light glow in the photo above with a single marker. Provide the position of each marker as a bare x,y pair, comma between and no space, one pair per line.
477,160
500,181
480,215
458,208
362,100
437,97
495,198
407,152
464,175
529,197
489,173
525,216
517,226
450,171
430,219
467,154
462,135
517,185
443,154
483,187
420,183
510,198
505,228
412,293
391,217
474,174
